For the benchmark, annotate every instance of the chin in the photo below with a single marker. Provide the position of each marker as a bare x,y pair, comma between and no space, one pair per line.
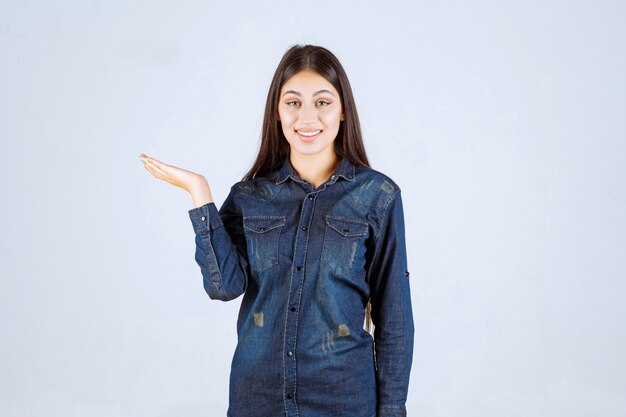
311,148
306,151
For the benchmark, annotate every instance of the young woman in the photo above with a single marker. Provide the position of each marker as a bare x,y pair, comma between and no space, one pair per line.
314,240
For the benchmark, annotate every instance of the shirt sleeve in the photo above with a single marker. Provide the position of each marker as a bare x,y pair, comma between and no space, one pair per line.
391,312
221,248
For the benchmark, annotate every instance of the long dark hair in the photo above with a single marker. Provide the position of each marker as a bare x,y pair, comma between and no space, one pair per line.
275,149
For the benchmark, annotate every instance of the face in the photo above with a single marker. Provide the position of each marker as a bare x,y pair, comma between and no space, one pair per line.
310,112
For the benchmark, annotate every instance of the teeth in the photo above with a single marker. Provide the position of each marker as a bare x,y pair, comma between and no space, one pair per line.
309,133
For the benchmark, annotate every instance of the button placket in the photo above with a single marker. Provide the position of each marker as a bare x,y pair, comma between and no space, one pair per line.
295,291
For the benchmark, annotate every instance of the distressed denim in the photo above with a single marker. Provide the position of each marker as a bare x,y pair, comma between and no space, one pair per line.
306,261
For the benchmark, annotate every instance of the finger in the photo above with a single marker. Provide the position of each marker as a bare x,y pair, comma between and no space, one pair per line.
162,175
160,171
156,169
151,170
155,172
152,163
143,157
157,163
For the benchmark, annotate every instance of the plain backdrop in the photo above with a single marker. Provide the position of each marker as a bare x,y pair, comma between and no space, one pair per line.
502,121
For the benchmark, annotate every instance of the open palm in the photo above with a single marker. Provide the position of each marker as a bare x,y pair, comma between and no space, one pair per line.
187,180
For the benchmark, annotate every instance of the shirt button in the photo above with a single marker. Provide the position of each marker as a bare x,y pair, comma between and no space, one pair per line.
292,308
332,177
310,197
289,396
406,274
203,218
304,228
290,353
298,267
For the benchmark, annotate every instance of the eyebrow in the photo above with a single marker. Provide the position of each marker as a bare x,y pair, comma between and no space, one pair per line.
300,95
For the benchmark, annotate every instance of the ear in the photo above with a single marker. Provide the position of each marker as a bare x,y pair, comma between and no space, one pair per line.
341,117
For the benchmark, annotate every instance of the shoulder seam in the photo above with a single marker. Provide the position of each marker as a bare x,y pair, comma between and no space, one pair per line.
384,209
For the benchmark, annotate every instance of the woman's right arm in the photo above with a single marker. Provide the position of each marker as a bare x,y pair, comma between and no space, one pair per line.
220,248
220,240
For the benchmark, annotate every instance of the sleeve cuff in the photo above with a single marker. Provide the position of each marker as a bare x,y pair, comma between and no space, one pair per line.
391,410
205,218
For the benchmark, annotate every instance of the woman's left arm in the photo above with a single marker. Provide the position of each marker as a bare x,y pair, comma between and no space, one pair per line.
392,314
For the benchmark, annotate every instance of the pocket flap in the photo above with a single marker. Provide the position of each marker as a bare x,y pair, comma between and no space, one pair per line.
262,224
347,227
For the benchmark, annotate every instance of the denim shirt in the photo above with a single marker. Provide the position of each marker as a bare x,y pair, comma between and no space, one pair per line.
306,261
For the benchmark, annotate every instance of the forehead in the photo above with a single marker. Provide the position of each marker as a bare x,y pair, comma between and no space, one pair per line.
308,82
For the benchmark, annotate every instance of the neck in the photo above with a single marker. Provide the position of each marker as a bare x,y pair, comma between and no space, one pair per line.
315,169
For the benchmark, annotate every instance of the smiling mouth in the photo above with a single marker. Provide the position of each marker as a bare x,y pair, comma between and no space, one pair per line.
308,136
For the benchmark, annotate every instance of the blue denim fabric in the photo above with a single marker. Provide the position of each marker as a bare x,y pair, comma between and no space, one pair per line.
307,260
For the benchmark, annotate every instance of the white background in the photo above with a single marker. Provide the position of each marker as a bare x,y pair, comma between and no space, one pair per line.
502,122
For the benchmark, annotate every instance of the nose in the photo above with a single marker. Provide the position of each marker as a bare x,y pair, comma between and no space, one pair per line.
308,114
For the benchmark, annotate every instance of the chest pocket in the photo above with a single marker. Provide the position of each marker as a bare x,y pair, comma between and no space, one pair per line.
343,243
262,236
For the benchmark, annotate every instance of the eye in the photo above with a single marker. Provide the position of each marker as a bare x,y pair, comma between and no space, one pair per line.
324,103
292,103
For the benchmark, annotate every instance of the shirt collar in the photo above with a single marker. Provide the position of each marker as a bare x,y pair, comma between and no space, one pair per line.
346,169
